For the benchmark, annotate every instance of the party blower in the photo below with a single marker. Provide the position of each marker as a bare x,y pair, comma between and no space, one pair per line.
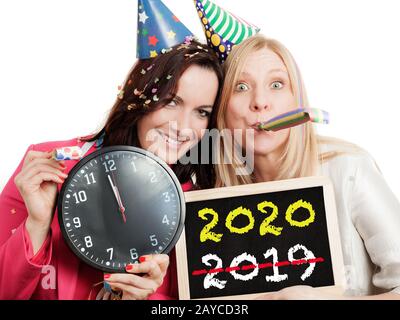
295,118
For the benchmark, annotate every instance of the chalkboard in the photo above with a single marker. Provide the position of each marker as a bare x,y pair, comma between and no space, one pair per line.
241,241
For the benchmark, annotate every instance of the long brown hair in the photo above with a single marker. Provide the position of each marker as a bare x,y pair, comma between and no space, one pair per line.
152,84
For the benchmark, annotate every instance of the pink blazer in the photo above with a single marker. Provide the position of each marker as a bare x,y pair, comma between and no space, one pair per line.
24,276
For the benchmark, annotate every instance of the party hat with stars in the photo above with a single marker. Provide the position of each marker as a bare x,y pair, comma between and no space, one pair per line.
158,29
223,29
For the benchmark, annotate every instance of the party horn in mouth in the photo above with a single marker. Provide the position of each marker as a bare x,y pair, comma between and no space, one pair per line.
295,118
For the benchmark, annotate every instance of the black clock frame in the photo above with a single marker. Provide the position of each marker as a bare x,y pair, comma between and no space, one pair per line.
103,151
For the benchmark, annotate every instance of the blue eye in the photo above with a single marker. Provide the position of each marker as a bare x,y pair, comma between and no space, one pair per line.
277,85
242,87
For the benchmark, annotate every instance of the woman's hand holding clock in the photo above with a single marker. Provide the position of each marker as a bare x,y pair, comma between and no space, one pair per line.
99,190
142,279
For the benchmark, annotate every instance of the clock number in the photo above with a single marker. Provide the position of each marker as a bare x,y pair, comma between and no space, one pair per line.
111,252
80,197
134,254
165,220
134,166
109,165
153,178
153,240
90,178
166,197
88,242
77,222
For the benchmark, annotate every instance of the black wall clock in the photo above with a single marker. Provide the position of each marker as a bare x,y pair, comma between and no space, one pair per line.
119,203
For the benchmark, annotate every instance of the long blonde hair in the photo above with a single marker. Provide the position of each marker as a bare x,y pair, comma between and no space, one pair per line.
300,156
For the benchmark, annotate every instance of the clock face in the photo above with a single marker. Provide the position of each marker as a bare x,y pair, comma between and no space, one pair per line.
118,204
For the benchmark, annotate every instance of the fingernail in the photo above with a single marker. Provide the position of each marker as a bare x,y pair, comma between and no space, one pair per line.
107,287
129,267
107,276
142,259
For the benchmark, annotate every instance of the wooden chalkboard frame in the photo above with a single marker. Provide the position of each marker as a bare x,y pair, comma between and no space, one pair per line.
258,188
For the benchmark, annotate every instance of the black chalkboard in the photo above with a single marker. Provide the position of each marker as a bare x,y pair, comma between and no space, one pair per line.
261,242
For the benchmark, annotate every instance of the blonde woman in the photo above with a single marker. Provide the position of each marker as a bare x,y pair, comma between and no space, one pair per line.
262,81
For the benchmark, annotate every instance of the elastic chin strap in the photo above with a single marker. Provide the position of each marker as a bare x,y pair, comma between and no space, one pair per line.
86,147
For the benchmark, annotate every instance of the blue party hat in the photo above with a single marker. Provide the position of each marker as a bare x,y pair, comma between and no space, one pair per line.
222,28
158,29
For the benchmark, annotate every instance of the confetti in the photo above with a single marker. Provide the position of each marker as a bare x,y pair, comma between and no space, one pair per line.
121,94
137,92
155,98
164,51
143,71
13,211
169,77
187,55
154,90
188,40
156,80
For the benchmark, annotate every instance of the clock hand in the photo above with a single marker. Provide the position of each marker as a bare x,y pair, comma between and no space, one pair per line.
121,206
118,198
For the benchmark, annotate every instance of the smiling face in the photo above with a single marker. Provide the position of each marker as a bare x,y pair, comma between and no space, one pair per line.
263,91
170,131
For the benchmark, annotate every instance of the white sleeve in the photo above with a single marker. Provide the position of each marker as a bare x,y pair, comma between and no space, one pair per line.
376,216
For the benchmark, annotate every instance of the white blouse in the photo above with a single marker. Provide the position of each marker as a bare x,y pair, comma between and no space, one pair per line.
369,223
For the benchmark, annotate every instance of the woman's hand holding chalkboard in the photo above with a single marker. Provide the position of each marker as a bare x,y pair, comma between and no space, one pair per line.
142,279
299,293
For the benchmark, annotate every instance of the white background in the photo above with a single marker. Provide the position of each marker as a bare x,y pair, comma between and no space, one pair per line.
61,62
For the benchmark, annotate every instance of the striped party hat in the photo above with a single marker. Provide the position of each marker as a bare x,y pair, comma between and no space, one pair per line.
223,29
158,29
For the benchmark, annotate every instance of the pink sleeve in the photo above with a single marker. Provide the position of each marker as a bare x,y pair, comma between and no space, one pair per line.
19,271
43,256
